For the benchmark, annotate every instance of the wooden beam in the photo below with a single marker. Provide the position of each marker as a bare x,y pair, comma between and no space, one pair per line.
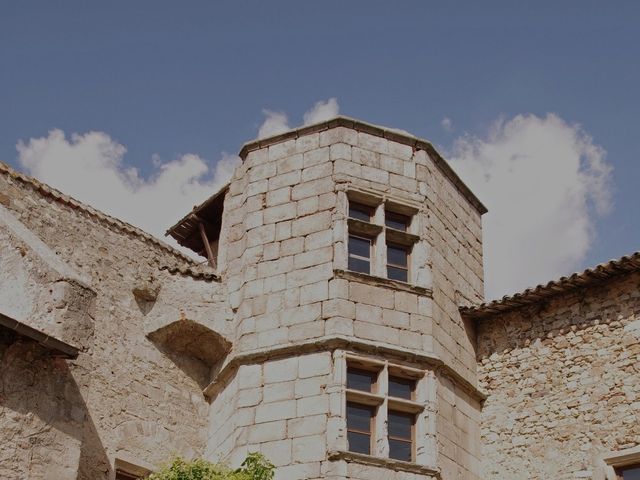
207,247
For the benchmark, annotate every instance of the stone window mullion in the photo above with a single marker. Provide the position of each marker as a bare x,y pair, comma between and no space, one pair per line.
381,428
379,260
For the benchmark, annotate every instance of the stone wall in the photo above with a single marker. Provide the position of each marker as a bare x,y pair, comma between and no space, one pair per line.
123,397
283,256
563,380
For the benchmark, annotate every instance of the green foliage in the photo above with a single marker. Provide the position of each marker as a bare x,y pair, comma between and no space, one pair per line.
254,467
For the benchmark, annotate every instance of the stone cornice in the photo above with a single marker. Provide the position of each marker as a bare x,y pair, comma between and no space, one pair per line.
429,360
389,463
382,282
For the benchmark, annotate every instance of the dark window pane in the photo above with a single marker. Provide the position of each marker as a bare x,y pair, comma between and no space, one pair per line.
632,473
397,256
400,274
358,265
359,417
396,221
125,476
360,379
359,442
400,450
360,212
359,246
401,387
400,424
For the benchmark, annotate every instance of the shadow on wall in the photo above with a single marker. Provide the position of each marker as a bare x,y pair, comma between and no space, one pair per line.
44,416
192,347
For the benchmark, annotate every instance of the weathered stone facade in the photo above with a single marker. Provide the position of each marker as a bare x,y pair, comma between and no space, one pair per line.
563,383
119,351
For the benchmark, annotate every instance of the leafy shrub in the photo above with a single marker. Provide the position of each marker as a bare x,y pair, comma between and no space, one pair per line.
254,467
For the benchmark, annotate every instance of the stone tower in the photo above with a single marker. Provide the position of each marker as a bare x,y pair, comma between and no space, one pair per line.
346,250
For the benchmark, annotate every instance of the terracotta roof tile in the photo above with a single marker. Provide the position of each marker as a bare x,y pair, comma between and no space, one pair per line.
189,267
591,276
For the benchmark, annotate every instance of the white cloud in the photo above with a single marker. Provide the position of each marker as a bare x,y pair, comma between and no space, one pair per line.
447,124
275,123
322,111
278,122
90,168
543,181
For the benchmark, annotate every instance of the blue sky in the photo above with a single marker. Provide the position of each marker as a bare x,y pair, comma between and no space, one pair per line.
169,78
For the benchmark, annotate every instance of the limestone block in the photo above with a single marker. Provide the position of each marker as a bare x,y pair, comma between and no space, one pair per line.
312,405
279,391
290,163
255,188
308,142
261,235
249,376
311,224
309,275
278,197
282,149
318,240
281,370
395,318
279,213
347,167
339,135
303,426
284,180
262,171
368,313
298,471
365,158
309,449
338,307
314,365
268,412
308,206
314,292
312,188
371,295
339,326
313,257
373,142
375,175
278,452
392,164
305,331
268,432
292,246
315,157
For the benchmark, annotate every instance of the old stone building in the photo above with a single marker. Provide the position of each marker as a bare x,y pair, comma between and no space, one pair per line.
336,325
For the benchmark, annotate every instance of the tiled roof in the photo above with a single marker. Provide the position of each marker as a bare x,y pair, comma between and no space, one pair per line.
591,276
190,267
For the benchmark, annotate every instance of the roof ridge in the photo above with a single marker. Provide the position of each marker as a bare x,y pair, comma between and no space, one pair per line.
120,225
590,276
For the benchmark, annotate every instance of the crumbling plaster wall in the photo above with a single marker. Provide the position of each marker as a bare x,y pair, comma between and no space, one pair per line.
563,380
137,399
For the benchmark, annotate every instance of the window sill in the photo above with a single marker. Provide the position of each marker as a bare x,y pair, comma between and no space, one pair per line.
381,282
397,465
364,398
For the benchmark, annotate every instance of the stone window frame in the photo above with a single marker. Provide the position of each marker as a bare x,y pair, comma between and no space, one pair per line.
617,460
423,406
380,234
126,466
